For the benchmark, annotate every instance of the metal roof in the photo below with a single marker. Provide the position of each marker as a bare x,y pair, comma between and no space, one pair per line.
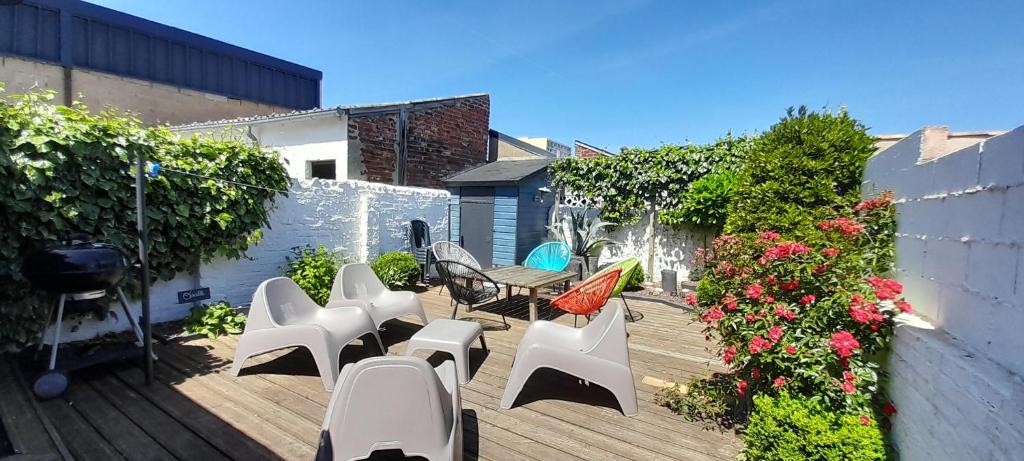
314,112
499,172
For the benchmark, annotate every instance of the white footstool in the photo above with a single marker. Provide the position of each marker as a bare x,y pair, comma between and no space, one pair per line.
451,336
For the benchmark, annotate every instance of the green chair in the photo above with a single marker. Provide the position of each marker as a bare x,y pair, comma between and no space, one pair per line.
628,267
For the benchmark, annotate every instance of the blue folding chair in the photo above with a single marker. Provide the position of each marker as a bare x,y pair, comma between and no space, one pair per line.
551,256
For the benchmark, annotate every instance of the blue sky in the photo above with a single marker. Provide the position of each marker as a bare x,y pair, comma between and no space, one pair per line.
626,73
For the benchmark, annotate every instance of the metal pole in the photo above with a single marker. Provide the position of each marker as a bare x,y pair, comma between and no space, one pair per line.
140,210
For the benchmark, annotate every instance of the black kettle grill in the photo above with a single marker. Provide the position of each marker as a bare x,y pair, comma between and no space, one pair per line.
75,269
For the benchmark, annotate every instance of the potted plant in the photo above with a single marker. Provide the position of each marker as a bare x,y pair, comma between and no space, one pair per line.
581,231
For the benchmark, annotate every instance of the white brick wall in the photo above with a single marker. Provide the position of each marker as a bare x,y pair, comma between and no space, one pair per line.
358,219
956,372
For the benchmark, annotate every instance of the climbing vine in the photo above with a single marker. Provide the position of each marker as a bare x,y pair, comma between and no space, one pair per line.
66,170
627,185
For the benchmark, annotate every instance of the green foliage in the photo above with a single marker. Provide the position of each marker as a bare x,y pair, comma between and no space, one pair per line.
788,428
314,271
64,170
807,167
709,400
636,279
627,185
581,231
396,269
705,203
214,320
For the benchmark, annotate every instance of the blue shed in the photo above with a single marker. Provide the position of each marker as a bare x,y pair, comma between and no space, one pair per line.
499,211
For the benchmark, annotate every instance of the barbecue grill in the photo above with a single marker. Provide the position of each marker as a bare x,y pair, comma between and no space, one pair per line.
79,270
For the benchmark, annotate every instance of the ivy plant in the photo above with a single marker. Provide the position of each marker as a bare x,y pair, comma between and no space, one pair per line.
630,184
67,170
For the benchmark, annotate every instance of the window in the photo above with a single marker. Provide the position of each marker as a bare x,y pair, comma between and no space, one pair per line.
322,169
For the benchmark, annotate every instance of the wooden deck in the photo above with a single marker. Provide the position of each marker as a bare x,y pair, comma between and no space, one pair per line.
197,410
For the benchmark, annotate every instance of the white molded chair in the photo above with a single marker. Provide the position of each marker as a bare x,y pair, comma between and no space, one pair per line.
282,316
357,285
597,353
389,403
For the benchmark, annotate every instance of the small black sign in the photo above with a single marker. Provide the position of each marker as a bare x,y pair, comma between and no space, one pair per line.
191,296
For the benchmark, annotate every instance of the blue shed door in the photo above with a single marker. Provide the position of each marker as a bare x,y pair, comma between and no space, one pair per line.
476,223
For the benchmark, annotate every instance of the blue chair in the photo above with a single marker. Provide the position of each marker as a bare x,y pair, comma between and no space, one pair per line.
551,256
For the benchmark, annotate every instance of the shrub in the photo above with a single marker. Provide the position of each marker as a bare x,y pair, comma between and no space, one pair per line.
397,269
627,185
705,203
214,320
804,316
807,167
65,170
793,428
636,279
314,270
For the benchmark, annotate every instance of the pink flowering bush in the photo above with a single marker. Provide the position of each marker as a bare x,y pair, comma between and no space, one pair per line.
808,314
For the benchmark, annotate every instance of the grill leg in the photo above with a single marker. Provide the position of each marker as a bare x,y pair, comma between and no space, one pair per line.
128,313
42,334
56,331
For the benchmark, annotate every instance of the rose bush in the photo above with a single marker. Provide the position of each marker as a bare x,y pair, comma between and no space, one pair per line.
807,315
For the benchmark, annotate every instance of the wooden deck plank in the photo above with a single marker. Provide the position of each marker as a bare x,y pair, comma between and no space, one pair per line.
273,410
25,430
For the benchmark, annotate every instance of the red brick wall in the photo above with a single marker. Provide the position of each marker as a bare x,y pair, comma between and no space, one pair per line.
583,151
375,139
443,137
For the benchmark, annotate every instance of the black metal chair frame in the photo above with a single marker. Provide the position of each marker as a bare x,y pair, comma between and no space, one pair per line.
421,252
468,294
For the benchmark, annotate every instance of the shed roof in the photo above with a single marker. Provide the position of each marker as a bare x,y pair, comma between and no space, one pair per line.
500,172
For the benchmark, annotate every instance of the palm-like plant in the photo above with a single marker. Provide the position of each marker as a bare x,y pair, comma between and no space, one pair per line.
582,232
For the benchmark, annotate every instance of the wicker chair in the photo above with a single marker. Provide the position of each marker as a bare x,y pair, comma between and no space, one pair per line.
449,251
476,287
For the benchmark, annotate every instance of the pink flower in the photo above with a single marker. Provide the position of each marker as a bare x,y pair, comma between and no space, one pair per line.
844,343
750,317
729,301
848,387
848,376
865,420
755,373
775,334
758,344
690,298
807,299
741,387
843,224
754,291
844,362
830,252
768,236
767,299
790,285
864,311
888,409
780,381
782,312
783,250
882,201
885,288
791,349
729,354
904,306
712,315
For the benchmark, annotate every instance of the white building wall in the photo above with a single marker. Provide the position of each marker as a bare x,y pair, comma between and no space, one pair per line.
300,140
673,248
360,220
956,372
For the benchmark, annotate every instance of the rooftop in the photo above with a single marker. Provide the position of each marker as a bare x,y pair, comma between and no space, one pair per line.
502,171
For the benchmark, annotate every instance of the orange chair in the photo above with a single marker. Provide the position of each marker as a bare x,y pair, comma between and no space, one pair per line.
589,296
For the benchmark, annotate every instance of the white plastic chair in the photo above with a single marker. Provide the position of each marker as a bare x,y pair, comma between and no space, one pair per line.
282,316
597,353
389,403
357,285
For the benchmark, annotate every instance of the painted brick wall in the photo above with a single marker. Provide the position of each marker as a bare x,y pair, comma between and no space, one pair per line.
443,137
585,151
358,219
446,140
956,370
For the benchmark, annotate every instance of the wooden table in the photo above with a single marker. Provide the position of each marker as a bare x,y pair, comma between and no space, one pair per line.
533,279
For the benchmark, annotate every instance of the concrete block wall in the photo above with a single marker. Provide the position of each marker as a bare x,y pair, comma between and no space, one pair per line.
360,220
152,102
956,371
